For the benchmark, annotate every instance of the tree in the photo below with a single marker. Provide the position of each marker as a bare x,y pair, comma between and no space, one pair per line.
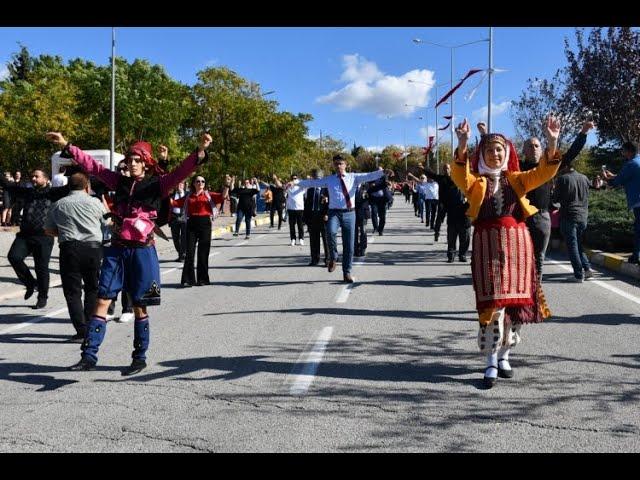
604,72
542,97
20,66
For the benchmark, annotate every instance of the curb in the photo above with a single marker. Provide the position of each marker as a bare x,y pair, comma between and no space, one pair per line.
259,220
613,262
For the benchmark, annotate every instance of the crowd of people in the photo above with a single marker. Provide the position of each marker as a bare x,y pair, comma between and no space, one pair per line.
106,223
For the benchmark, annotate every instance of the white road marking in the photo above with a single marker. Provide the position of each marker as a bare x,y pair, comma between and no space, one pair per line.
169,271
372,239
241,243
260,236
31,322
611,288
309,362
214,254
343,294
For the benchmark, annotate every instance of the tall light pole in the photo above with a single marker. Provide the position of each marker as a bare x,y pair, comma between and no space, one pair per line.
451,48
490,77
113,97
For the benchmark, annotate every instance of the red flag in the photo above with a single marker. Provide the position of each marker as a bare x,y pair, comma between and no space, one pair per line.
451,92
447,117
445,127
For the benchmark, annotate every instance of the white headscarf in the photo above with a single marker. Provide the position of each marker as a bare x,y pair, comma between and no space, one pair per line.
483,169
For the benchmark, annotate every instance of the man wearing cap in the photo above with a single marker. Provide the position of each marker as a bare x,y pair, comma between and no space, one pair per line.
131,262
342,189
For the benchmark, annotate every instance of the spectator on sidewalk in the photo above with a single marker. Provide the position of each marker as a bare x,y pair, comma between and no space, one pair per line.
77,221
31,239
571,195
629,179
598,183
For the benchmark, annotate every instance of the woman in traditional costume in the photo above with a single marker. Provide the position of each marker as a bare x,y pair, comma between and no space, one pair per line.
503,265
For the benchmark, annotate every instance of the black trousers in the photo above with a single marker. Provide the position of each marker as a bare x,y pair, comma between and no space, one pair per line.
198,231
360,243
40,247
378,213
442,212
458,228
295,218
80,269
179,236
430,211
276,208
317,231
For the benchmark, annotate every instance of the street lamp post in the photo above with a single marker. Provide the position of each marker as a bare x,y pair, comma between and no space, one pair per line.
113,97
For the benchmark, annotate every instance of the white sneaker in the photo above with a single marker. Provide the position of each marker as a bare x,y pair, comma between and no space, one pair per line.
110,317
293,243
301,242
126,317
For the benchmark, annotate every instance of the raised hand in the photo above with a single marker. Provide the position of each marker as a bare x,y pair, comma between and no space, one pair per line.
205,141
588,125
56,138
552,132
463,132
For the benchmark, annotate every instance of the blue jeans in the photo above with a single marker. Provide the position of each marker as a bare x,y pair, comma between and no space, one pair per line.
347,222
573,232
636,232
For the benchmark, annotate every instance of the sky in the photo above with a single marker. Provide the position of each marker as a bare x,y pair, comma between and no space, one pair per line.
353,80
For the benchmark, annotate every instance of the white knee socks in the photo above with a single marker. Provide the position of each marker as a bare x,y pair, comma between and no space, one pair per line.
503,356
492,361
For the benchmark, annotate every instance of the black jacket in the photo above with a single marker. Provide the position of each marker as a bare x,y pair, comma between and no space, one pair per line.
308,204
36,204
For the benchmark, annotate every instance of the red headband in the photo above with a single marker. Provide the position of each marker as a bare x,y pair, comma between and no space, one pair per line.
513,162
145,152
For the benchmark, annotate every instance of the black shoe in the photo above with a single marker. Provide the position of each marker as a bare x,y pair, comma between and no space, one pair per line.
313,263
185,285
449,259
82,365
347,278
489,382
502,373
462,258
380,233
29,292
200,284
77,338
136,367
41,303
435,237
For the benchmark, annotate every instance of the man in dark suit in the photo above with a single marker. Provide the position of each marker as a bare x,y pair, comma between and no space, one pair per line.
316,209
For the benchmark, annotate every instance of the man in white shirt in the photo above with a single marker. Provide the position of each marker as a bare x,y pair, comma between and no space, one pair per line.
295,209
59,179
342,196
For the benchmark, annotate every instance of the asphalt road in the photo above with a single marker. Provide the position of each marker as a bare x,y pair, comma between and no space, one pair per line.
276,356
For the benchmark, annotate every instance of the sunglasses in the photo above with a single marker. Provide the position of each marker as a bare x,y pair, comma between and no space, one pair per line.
199,181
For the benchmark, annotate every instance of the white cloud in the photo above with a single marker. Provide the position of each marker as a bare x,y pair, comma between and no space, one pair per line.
211,63
313,137
482,113
4,73
370,90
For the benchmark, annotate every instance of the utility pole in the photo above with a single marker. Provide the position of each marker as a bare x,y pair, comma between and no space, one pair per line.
113,97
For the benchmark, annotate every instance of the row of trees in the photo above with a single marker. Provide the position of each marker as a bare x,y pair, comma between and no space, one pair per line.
599,81
250,136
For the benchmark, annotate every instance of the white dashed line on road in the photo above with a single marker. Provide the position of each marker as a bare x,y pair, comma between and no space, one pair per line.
31,322
343,294
241,243
308,363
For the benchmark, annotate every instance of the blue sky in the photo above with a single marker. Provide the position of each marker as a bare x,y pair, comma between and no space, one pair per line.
353,80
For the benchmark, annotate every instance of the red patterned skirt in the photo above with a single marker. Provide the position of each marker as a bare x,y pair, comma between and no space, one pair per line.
503,269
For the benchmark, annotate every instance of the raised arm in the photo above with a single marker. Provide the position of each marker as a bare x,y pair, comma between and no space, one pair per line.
186,168
85,161
460,170
368,177
578,143
314,182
